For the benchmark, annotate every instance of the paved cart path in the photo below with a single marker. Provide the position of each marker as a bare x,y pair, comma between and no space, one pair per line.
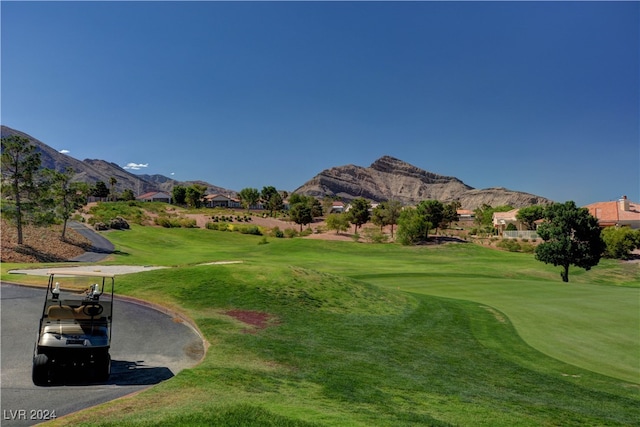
147,347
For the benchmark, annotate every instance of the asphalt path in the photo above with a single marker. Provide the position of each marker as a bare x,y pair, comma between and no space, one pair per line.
147,347
100,246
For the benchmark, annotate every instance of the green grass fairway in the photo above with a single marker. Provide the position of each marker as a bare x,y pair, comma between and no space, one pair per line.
383,335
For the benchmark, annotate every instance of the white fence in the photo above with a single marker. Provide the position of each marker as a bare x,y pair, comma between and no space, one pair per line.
515,234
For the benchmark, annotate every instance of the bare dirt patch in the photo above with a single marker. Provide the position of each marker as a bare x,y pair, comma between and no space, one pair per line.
256,319
40,244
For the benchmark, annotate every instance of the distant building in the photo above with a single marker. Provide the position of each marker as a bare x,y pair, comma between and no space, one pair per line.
465,214
618,213
155,196
221,201
502,219
337,207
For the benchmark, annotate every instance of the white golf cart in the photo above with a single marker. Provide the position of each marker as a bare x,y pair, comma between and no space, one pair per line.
75,328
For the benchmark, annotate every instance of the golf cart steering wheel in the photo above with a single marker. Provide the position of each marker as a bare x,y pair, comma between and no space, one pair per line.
92,309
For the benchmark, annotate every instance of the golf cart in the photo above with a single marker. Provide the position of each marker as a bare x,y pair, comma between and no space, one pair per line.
75,328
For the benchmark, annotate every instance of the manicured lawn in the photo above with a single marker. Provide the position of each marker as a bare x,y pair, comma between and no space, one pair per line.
366,334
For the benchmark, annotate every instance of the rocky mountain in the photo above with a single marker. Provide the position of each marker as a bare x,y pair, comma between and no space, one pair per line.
93,170
389,178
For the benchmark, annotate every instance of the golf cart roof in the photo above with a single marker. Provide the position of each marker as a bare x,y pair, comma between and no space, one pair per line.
96,273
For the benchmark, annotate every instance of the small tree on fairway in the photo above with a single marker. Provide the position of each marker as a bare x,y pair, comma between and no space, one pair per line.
571,237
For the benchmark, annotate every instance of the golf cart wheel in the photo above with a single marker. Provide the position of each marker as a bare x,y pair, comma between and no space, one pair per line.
40,372
103,368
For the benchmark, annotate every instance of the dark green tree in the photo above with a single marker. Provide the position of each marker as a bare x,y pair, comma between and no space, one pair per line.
249,197
100,190
300,213
450,214
358,213
20,163
179,195
529,215
571,237
432,212
275,203
310,201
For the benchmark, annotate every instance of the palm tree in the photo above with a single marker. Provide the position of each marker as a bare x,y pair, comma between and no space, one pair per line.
112,182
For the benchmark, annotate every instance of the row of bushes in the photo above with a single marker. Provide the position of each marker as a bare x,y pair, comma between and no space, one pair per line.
512,245
243,229
289,232
231,218
175,222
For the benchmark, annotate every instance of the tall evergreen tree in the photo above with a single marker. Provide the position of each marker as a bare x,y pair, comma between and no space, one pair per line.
20,163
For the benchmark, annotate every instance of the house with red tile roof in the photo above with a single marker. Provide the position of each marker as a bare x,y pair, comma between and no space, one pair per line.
618,213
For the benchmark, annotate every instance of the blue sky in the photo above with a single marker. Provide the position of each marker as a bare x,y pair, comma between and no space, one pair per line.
541,97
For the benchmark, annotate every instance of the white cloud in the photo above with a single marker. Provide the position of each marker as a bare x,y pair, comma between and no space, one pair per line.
64,151
136,166
173,173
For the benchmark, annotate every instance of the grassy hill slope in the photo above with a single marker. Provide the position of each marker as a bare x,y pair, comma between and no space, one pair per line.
359,334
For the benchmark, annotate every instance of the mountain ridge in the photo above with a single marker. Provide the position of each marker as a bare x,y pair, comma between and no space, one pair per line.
390,178
385,179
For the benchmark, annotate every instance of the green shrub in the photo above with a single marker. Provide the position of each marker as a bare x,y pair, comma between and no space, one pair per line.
250,229
509,244
211,225
276,232
290,232
374,235
620,241
527,248
188,223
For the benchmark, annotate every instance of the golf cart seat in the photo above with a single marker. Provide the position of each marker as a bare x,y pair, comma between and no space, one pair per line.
65,312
